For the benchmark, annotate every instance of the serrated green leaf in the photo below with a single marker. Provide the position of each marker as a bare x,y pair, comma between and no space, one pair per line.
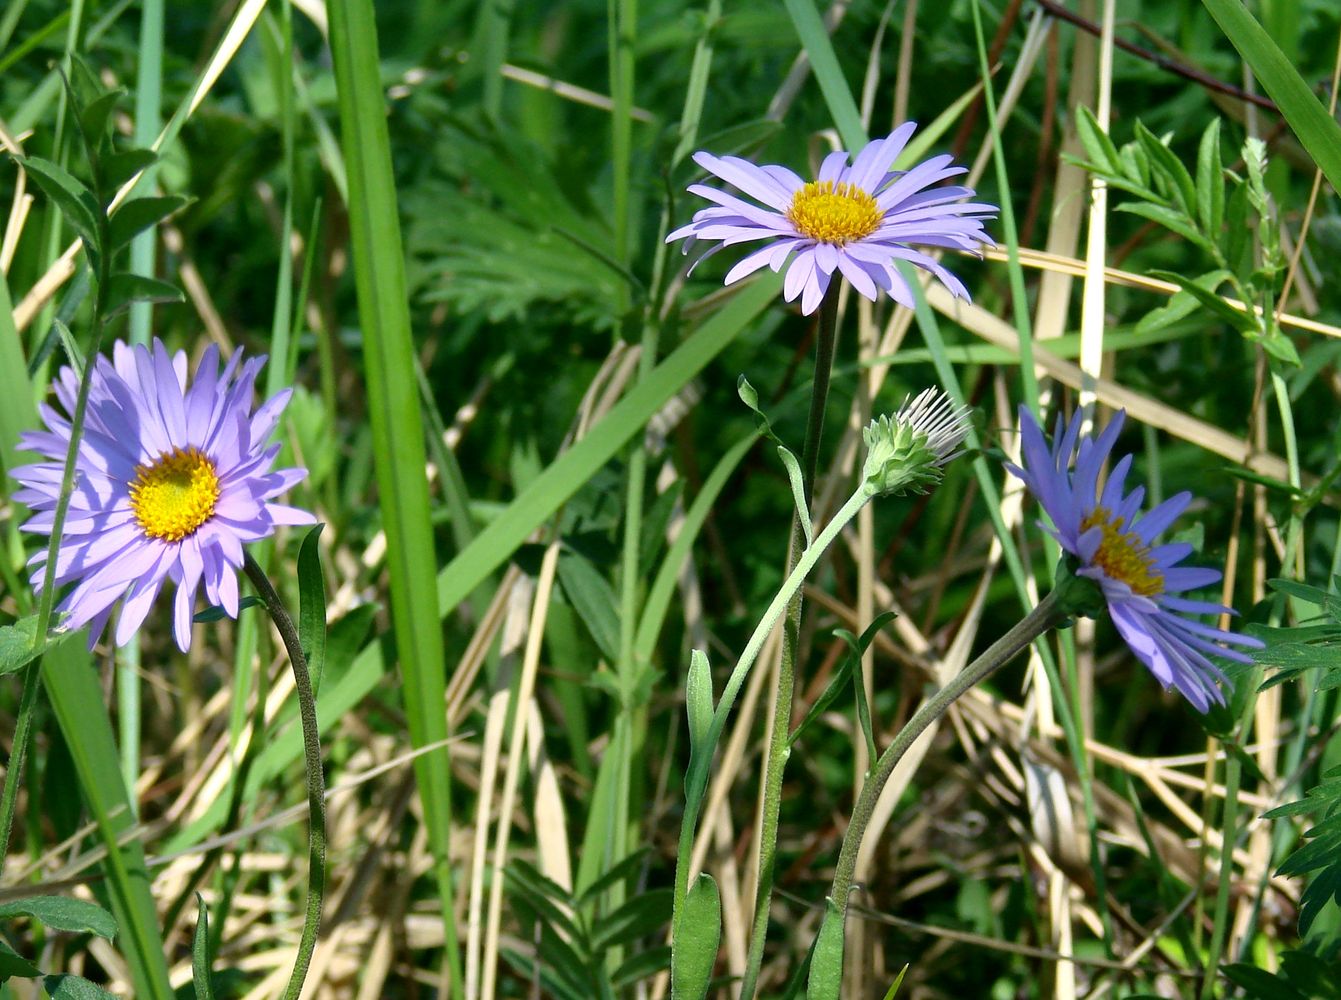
200,952
1210,181
698,699
74,988
125,288
826,964
60,913
117,168
75,201
137,215
697,935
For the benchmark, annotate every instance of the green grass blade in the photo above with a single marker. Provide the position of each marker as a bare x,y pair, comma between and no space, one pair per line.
1316,129
828,73
76,697
562,478
398,440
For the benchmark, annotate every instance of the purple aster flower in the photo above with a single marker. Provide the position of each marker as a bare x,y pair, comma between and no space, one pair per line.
1115,546
857,220
170,481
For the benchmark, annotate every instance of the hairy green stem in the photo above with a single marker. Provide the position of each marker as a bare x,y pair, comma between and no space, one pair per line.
779,750
1049,613
700,761
316,784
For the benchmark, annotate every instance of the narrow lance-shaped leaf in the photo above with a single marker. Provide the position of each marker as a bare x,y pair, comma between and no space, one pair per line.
312,605
139,214
200,952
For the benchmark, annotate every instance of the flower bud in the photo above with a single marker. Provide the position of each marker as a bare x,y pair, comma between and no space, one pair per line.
906,452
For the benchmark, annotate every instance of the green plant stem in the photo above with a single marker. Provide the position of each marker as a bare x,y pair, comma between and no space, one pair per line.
14,772
779,748
316,784
700,760
1047,615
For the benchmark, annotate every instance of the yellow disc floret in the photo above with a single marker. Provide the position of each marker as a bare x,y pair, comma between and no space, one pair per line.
174,495
833,213
1123,556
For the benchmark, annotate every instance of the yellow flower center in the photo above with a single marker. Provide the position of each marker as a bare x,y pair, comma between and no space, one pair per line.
174,495
1123,555
833,213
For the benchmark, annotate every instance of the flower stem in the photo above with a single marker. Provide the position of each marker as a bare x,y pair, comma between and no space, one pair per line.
700,763
1049,613
316,786
775,760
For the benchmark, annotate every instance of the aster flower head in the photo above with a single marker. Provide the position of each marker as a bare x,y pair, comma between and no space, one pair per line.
906,452
856,220
171,479
1113,542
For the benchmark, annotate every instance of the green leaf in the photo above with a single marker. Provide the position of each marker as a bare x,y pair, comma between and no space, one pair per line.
16,645
200,952
643,965
216,612
139,214
698,700
826,964
14,964
60,913
1172,219
894,986
312,605
1234,317
638,917
828,72
1181,304
750,398
117,168
93,117
1169,169
697,934
75,201
125,288
1316,129
1210,181
74,988
798,493
1098,147
838,682
593,599
619,872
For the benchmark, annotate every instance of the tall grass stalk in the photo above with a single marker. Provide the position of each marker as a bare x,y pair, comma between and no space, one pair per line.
398,441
